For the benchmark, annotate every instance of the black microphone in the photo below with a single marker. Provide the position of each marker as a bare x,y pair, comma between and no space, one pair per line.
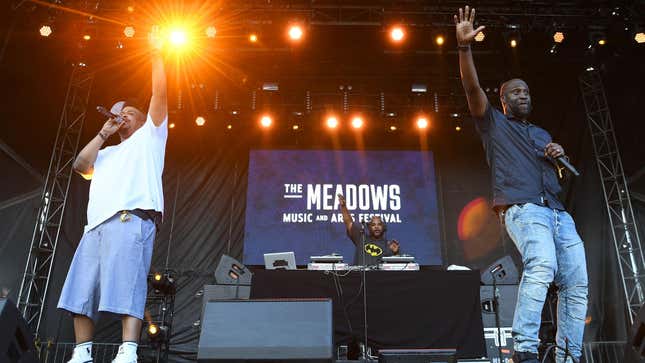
563,160
104,111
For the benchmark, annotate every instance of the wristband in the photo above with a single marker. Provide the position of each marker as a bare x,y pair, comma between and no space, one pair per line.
102,136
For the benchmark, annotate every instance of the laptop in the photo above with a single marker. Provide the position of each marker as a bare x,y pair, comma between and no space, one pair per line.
280,261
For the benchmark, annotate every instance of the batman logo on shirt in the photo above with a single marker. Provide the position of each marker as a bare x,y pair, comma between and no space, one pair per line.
373,250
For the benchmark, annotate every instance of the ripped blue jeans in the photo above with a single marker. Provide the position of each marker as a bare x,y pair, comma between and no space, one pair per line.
551,250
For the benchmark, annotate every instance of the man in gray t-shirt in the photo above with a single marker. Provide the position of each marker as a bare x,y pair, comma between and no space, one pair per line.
369,242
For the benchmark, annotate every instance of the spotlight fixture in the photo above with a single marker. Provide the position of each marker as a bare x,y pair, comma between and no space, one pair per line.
357,122
253,38
295,32
157,334
639,37
558,37
332,122
397,34
211,32
295,127
128,31
422,122
439,40
87,37
602,41
513,43
266,121
178,37
163,282
393,127
480,37
130,9
45,30
200,121
171,125
229,126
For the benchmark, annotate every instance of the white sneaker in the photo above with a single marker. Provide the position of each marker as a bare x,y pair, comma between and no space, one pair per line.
124,357
82,355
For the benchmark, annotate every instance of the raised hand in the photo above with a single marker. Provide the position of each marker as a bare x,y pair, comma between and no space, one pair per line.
155,38
464,26
341,200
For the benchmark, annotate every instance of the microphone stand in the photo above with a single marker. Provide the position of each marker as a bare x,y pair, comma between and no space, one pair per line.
364,283
497,322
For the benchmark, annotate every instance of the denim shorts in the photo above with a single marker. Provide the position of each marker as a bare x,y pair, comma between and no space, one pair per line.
109,271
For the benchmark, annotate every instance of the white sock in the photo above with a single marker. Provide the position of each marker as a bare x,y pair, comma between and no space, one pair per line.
83,350
128,348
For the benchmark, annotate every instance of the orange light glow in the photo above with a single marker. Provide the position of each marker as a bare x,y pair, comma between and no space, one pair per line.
331,122
266,121
422,122
200,121
295,32
357,122
397,34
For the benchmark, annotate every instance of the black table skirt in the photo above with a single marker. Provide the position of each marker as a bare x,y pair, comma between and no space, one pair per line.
407,309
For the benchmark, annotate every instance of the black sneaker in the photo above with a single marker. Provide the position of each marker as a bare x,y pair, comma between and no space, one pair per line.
525,357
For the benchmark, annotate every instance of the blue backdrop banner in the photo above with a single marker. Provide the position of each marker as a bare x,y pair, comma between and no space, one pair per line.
292,205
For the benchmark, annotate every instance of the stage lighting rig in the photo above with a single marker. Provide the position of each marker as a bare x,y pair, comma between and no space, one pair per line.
211,32
46,30
128,31
163,283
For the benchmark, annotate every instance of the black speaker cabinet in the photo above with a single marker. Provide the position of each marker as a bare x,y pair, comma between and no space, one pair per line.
503,271
267,330
16,341
505,307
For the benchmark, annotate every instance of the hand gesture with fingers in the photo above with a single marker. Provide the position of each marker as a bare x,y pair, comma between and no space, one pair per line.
464,26
341,200
155,38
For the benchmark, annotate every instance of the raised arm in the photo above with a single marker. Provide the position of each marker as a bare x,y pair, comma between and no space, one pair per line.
84,162
347,218
159,101
477,100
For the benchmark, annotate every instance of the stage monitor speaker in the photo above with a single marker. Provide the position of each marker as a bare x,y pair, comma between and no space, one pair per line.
267,330
16,341
417,355
230,271
635,348
505,307
502,272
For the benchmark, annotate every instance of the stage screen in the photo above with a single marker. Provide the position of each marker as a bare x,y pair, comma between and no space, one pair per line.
292,205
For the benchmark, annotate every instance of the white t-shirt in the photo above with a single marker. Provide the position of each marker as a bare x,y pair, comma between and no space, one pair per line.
128,175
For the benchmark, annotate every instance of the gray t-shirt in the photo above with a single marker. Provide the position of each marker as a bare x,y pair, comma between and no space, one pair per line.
374,248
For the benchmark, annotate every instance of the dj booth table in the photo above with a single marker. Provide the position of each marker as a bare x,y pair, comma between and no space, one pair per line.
407,309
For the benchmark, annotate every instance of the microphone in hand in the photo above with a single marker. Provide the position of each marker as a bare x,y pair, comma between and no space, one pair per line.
105,112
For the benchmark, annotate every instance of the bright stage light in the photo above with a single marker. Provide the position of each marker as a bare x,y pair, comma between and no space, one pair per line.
458,128
357,122
87,37
200,121
266,121
153,330
422,122
513,43
439,40
45,30
558,37
253,38
130,9
639,37
211,32
397,34
171,125
295,32
332,122
480,37
157,277
229,126
602,42
295,127
178,37
128,31
392,128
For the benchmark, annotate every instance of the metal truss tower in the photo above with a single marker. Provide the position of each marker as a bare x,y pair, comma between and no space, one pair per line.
47,229
624,230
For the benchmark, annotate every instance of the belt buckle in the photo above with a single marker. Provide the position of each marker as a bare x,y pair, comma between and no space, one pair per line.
125,216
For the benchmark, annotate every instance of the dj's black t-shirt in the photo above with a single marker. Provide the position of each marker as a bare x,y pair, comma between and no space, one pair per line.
374,248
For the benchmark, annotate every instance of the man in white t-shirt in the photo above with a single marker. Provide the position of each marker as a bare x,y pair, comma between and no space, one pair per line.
109,270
